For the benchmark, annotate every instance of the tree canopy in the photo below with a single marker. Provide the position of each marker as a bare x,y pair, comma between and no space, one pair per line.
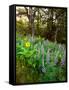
49,23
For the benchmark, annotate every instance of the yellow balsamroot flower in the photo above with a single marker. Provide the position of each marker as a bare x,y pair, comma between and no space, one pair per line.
27,44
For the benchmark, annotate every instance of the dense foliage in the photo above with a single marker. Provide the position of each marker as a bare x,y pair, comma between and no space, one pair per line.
39,60
40,44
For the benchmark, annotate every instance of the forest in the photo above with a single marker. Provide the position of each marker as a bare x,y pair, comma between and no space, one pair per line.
41,44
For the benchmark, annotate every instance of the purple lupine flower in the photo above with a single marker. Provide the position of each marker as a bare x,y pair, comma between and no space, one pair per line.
56,61
48,56
42,49
62,62
63,59
56,58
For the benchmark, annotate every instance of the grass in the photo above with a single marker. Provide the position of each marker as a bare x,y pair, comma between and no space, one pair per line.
39,60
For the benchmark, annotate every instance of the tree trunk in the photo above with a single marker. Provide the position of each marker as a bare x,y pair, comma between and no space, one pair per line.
31,21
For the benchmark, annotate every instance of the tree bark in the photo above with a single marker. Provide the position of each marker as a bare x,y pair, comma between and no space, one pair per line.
31,21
